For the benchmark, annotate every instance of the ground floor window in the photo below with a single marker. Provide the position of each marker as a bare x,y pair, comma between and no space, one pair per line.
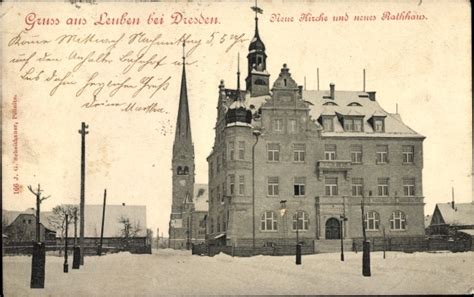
300,221
268,221
371,221
398,221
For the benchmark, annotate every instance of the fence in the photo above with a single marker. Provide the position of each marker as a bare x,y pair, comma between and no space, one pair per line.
135,245
415,244
247,251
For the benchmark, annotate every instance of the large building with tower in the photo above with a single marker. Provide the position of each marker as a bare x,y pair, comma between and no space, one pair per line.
290,162
188,206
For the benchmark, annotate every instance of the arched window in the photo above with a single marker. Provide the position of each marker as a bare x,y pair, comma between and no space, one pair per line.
398,221
284,81
268,221
372,221
179,171
186,170
300,221
260,82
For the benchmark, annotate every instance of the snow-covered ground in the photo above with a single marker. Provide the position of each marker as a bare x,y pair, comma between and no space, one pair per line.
169,272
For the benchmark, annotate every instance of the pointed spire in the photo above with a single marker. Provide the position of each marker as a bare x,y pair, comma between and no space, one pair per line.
183,126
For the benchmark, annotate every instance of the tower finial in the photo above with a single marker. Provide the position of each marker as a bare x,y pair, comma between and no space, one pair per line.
184,55
238,72
257,11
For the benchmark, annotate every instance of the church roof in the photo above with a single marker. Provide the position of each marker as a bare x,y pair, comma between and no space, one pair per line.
183,122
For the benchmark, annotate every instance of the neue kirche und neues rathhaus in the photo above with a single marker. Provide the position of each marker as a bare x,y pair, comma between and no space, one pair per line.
293,164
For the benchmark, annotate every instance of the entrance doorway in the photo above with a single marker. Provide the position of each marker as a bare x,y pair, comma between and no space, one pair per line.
333,229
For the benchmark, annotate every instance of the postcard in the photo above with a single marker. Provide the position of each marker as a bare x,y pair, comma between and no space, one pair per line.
236,148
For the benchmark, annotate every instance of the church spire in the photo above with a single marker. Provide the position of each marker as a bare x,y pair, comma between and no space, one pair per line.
183,126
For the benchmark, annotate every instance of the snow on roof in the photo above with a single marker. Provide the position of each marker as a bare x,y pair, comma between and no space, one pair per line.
200,197
462,214
393,123
467,231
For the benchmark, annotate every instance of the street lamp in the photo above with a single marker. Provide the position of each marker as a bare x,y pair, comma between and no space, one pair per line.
256,133
343,219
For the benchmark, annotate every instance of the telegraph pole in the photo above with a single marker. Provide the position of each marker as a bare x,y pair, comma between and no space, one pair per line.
103,219
83,133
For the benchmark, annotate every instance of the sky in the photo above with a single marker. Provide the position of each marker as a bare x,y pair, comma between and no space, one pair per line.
421,66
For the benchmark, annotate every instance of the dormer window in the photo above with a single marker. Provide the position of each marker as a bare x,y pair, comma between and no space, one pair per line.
354,104
328,123
379,125
352,124
330,103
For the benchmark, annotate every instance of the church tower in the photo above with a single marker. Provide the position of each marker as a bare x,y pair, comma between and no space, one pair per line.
257,80
182,166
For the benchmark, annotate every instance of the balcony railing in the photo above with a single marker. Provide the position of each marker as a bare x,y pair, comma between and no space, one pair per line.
323,166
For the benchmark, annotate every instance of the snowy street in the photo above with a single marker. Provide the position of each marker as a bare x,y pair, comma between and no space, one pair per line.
169,272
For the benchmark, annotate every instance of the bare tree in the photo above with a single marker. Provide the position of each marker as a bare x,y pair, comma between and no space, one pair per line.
128,230
58,217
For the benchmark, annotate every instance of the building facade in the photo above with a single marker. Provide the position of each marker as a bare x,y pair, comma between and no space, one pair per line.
288,163
185,220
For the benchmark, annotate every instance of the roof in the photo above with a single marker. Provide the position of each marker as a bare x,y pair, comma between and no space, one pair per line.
461,215
200,197
33,217
347,103
467,231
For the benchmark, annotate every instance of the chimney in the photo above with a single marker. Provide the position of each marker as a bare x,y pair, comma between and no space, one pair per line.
452,197
331,90
371,96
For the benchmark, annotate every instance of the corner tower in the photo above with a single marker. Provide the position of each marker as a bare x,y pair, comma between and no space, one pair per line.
182,164
257,80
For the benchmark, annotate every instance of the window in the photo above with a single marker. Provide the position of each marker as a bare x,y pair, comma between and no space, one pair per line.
232,184
330,152
398,221
273,186
382,186
408,154
382,154
328,124
299,150
224,224
211,169
242,185
357,186
218,193
371,221
300,221
299,186
241,150
278,125
212,226
212,196
353,124
218,224
409,186
379,125
273,152
292,126
331,186
268,221
231,150
218,164
356,154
